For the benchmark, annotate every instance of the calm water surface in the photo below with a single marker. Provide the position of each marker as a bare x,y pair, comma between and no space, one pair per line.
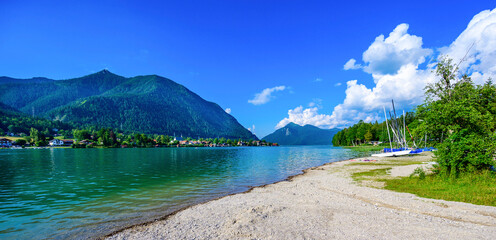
81,193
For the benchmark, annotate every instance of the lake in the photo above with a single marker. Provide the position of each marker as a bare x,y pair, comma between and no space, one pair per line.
81,193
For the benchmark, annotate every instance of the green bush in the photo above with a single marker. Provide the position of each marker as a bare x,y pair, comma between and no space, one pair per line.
464,152
420,172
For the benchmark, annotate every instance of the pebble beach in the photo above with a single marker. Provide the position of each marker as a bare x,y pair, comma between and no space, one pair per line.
325,203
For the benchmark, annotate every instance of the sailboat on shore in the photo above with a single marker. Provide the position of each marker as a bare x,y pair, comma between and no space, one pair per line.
399,136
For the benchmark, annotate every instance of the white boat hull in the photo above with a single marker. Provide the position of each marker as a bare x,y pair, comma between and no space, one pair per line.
392,154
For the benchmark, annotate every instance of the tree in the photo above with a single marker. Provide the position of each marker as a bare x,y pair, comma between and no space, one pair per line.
46,132
81,134
11,128
20,142
34,134
462,113
368,136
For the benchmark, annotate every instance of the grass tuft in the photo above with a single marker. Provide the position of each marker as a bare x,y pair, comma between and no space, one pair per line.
476,188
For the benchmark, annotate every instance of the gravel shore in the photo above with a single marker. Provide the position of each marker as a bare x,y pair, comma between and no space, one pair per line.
325,203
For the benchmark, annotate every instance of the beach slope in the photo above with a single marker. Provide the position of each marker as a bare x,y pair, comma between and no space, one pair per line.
325,203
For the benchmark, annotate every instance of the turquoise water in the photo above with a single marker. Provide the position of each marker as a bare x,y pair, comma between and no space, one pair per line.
81,193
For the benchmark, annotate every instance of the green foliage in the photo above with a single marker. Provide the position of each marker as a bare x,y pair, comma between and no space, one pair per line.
81,134
476,188
20,142
465,152
294,134
363,132
16,122
418,172
461,116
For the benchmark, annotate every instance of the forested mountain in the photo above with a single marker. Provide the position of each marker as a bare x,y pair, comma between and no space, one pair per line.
11,120
7,110
148,104
294,134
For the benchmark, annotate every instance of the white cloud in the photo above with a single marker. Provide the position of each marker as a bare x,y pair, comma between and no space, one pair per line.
388,55
228,110
477,46
302,117
316,102
338,84
351,64
394,63
318,80
406,88
265,96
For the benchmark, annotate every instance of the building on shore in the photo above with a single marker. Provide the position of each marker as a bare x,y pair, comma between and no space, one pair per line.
5,143
60,142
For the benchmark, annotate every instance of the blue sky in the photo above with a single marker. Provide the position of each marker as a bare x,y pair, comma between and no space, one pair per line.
229,51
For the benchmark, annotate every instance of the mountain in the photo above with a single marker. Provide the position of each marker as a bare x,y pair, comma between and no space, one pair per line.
7,110
294,134
149,104
12,120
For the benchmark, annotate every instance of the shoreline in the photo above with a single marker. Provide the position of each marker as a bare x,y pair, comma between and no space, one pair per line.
259,211
164,218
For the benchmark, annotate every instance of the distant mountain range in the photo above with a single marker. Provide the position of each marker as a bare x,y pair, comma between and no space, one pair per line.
294,134
148,104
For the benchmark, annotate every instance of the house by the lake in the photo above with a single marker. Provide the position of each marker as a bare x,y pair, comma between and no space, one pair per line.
5,143
60,142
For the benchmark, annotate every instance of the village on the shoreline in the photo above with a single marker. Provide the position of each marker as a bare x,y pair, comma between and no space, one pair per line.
138,140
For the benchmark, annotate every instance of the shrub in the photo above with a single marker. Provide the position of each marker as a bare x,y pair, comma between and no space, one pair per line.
464,152
420,172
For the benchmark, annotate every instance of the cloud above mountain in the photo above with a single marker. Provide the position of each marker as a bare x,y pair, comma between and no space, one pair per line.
266,95
302,116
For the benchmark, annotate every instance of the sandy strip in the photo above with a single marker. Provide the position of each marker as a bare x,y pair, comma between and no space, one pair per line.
324,203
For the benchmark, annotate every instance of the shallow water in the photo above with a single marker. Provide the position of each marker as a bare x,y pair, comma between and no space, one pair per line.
81,193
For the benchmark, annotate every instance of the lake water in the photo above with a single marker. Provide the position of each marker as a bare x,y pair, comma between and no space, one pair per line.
81,193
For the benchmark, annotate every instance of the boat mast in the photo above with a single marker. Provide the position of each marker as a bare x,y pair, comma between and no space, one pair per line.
395,129
398,127
404,128
389,136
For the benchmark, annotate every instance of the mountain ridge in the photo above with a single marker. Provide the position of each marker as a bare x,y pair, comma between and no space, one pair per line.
294,134
145,103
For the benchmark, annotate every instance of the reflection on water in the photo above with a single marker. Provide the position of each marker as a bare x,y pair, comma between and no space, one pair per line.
60,193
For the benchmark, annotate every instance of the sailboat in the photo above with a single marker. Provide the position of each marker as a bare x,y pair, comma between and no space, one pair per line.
393,154
399,135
